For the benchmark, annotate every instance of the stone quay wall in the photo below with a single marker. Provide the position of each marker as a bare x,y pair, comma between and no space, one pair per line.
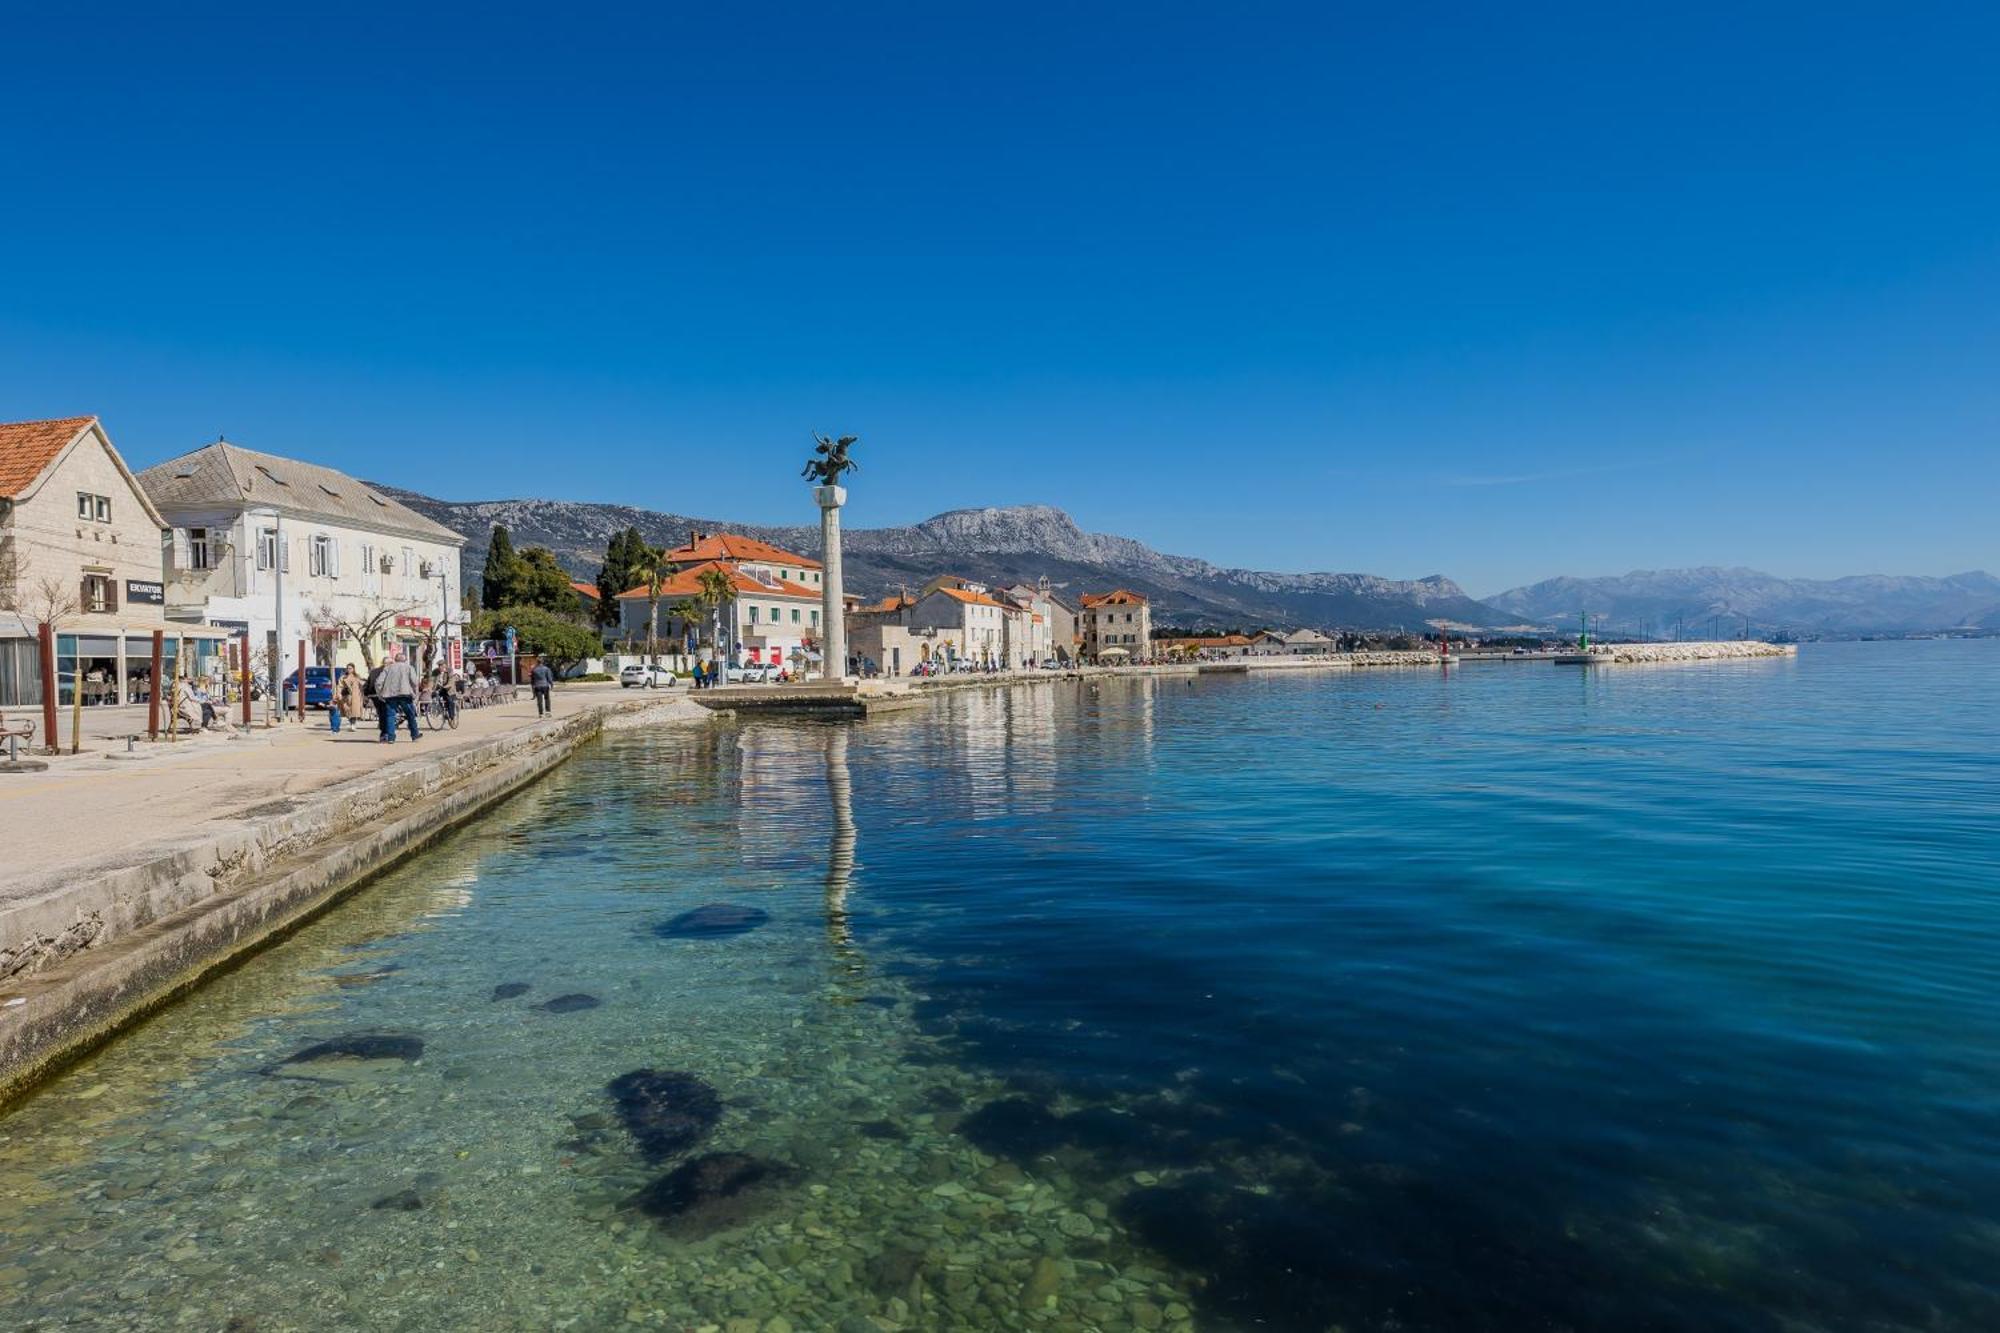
1693,652
92,950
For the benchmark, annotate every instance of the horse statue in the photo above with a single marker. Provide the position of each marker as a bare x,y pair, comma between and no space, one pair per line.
832,460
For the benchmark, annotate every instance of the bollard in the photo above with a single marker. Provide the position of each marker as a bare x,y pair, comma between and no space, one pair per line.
128,743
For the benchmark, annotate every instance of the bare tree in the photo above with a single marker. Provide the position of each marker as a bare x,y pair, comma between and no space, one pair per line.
51,601
362,629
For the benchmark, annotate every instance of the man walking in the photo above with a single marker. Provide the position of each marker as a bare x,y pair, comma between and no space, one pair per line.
542,681
396,696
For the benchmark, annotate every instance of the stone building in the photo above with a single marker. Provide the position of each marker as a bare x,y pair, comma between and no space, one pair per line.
1116,626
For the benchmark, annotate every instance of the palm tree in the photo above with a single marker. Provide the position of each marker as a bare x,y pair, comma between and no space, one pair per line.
684,611
717,589
653,564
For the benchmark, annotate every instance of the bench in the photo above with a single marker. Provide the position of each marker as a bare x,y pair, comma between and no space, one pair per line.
25,730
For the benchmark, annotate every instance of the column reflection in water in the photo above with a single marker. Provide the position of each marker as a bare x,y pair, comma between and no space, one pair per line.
840,854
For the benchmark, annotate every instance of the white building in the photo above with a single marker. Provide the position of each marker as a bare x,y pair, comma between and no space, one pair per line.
294,551
770,615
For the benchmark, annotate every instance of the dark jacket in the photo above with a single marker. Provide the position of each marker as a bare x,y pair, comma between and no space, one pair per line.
368,688
541,678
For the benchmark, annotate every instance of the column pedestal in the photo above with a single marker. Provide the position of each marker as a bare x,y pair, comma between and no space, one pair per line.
832,615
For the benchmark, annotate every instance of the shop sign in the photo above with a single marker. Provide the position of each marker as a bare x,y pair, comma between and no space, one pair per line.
140,590
413,622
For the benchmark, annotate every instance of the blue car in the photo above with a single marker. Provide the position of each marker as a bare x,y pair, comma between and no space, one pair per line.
319,686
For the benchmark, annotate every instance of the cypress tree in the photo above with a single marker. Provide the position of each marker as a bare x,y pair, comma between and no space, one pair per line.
503,570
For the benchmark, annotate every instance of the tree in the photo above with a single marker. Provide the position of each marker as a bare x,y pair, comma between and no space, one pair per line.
540,580
654,569
717,590
624,557
502,573
562,641
363,629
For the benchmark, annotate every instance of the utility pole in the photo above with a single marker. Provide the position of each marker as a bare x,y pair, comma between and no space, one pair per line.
273,699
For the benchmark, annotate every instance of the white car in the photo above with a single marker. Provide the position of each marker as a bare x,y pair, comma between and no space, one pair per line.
645,673
750,673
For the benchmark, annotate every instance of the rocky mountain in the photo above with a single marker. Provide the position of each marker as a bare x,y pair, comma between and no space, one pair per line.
999,545
1660,600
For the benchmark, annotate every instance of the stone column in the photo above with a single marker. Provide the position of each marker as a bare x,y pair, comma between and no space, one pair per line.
833,620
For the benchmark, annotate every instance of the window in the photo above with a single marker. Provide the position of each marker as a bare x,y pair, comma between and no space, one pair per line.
198,549
93,508
99,593
753,615
795,615
267,547
367,559
323,557
408,559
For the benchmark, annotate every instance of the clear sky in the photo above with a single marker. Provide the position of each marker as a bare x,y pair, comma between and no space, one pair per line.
1498,291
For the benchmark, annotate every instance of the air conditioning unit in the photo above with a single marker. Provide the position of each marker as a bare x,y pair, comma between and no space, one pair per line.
386,565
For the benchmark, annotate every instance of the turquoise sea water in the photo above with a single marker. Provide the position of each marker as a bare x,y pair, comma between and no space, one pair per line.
1516,997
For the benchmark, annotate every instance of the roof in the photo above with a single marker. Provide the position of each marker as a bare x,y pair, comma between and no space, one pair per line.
687,583
1121,597
1307,636
972,598
893,602
28,447
586,589
735,546
228,475
1207,640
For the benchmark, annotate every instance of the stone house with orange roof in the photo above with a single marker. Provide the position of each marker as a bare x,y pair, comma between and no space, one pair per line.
1116,625
772,616
74,520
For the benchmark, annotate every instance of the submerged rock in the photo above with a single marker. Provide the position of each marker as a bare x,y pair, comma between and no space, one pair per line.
666,1111
883,1129
710,1193
360,1046
569,1004
349,980
712,922
402,1201
1014,1128
507,990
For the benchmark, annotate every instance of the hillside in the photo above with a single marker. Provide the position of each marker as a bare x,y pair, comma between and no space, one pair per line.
1000,545
1661,599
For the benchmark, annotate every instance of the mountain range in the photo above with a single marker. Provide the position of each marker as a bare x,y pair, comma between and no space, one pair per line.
1018,543
1660,601
1021,543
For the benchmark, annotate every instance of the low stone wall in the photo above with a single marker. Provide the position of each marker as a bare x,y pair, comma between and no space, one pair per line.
95,949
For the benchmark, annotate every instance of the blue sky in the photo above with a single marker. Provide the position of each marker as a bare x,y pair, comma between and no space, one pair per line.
1495,291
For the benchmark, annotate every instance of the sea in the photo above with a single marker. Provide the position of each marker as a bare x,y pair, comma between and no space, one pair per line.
1509,996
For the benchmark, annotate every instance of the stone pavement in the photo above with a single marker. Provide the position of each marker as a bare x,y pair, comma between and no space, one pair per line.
105,800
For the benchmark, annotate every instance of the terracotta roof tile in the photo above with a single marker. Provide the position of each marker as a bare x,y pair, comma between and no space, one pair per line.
735,546
687,583
1121,597
28,447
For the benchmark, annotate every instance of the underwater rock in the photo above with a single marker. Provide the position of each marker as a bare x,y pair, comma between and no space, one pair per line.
349,980
665,1111
710,1193
891,1272
880,1001
1014,1128
507,990
402,1201
569,1004
712,922
360,1046
883,1129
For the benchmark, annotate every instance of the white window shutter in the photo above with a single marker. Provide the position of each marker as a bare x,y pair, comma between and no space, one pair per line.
284,556
181,556
333,556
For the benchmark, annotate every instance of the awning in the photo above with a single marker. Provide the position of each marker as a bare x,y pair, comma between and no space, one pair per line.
1114,652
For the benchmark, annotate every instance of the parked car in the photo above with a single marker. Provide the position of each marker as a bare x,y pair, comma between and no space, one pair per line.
750,673
1050,664
319,686
646,674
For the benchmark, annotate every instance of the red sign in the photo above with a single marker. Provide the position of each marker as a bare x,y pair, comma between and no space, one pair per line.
458,654
413,622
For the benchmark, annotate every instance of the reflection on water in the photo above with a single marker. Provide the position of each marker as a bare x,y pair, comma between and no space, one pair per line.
1503,999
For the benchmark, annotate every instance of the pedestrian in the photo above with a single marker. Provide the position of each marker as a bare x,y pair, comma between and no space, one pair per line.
396,696
348,703
372,697
700,674
543,682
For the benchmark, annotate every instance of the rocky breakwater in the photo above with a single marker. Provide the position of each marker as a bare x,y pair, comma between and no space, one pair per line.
1692,652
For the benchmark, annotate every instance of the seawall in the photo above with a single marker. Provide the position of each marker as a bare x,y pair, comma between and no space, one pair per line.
141,928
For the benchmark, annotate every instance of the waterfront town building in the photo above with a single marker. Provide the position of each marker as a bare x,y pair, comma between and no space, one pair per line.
953,623
770,618
1053,624
80,549
1308,643
1116,626
1205,645
293,551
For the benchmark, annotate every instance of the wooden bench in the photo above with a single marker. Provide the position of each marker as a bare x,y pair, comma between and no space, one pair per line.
25,730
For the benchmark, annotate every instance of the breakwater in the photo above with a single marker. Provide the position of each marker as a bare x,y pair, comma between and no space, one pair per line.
1724,650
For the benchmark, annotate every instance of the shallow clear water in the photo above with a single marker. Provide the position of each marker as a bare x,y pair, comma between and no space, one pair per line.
1518,998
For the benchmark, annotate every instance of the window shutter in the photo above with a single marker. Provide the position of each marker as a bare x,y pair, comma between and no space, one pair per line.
83,596
181,558
333,557
110,593
284,557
